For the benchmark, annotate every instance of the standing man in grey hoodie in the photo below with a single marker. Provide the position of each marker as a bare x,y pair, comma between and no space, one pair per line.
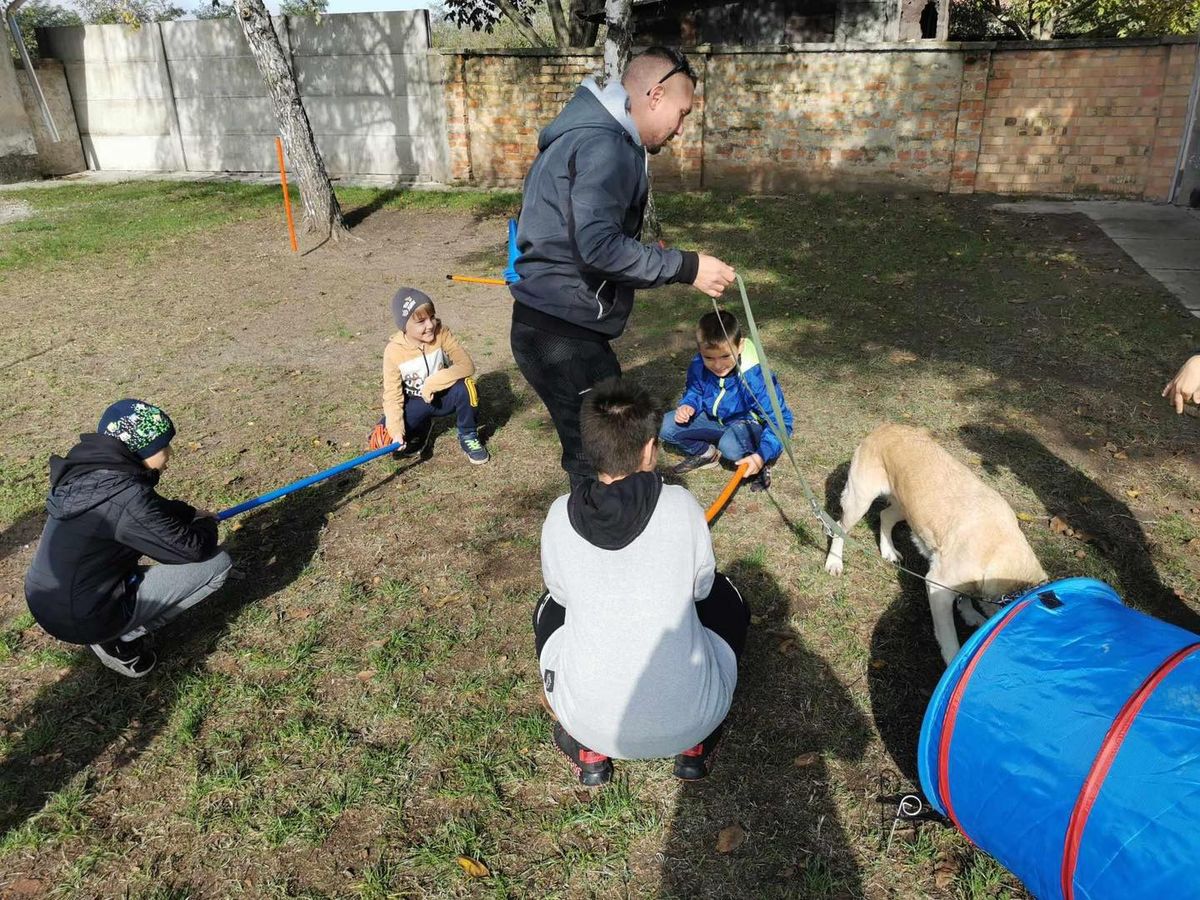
580,257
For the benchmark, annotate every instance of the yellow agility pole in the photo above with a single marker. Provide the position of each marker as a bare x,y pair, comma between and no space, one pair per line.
471,279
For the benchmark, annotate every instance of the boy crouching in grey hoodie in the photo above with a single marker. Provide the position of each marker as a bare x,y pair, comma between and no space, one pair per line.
637,635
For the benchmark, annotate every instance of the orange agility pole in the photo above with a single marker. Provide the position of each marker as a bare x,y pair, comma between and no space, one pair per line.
471,279
723,498
287,201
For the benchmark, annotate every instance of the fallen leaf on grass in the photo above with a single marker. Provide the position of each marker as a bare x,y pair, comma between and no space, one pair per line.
730,838
1132,494
1026,517
365,675
944,873
804,760
473,867
1058,526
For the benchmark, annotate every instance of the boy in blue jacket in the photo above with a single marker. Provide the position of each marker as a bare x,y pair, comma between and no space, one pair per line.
725,405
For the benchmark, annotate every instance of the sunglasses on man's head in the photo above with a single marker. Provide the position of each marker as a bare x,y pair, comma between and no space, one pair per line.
681,65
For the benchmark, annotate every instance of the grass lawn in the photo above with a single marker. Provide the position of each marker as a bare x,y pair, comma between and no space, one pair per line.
358,708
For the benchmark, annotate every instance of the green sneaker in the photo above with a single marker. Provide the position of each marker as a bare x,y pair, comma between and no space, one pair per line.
470,444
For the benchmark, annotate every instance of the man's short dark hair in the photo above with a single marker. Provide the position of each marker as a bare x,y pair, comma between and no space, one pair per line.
617,419
676,58
713,328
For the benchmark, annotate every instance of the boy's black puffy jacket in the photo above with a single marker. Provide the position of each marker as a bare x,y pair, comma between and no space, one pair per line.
104,515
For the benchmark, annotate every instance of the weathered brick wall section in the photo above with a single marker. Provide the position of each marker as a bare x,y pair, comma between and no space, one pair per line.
1074,121
781,121
498,102
1177,82
1042,119
968,134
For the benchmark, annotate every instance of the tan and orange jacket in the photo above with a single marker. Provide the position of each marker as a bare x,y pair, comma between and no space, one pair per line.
409,366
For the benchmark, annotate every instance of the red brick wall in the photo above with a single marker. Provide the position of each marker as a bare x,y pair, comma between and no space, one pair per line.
1080,121
1044,119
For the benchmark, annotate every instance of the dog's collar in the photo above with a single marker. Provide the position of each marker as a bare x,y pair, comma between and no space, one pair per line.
997,604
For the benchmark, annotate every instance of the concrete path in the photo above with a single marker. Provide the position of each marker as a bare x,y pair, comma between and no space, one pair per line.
1163,240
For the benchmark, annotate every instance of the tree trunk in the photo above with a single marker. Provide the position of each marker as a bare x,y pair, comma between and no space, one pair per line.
617,15
562,34
321,209
518,20
618,40
581,28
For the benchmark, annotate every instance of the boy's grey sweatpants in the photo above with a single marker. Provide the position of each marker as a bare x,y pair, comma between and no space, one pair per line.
167,591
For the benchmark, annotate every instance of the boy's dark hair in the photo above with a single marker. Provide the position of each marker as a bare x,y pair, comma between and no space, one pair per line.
713,328
617,419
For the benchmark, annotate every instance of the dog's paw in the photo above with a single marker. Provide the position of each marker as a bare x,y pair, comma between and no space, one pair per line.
971,616
833,565
889,554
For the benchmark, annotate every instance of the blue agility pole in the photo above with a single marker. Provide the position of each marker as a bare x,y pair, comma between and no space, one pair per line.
510,273
305,482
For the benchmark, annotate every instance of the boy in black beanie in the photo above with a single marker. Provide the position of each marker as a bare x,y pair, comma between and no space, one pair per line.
84,585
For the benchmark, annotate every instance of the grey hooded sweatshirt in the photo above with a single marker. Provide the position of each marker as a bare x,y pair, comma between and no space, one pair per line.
633,673
585,195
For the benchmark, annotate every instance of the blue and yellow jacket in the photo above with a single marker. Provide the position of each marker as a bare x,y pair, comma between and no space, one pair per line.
728,400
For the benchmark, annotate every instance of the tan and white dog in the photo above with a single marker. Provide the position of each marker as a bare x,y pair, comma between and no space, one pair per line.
966,530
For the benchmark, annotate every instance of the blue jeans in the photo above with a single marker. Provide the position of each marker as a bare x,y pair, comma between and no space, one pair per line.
455,400
734,440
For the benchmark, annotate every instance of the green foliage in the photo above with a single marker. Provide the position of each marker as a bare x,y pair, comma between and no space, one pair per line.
1045,19
312,9
213,10
40,14
134,13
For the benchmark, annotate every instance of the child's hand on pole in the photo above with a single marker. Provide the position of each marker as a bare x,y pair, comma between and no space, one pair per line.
684,414
380,437
753,464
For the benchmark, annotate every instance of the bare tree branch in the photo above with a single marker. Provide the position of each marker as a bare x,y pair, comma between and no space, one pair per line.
518,20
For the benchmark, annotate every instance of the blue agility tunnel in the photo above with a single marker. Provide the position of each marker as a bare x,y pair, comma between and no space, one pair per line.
1064,740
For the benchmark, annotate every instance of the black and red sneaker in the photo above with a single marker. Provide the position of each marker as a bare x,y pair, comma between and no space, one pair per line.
696,763
593,769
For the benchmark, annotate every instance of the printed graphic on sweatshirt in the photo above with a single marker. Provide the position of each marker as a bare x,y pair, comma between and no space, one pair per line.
413,372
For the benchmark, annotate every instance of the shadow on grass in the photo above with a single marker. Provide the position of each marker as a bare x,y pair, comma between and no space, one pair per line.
789,702
25,529
90,712
1086,507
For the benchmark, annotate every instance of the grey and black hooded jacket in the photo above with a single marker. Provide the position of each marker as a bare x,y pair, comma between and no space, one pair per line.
585,195
103,516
